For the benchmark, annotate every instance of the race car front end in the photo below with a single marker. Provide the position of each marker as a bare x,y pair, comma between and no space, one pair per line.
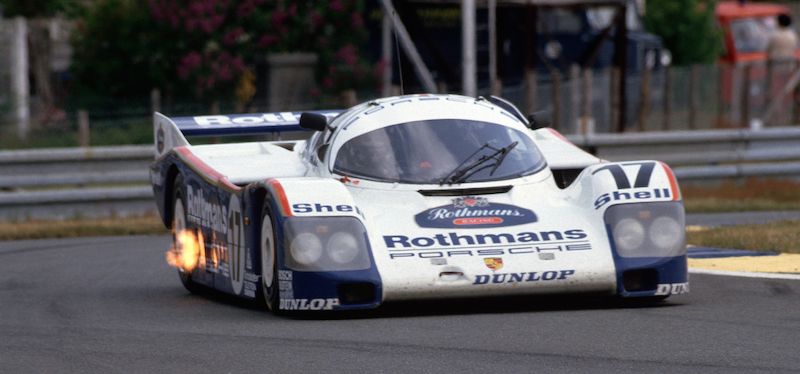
649,246
326,264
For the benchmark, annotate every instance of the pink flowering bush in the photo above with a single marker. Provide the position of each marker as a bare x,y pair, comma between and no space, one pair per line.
206,48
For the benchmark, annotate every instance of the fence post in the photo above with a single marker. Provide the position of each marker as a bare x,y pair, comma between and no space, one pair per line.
721,94
644,103
530,90
83,128
745,104
615,100
667,98
587,122
574,99
693,77
556,77
155,100
795,100
20,88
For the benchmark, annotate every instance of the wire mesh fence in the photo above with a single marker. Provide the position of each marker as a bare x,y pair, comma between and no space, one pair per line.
673,98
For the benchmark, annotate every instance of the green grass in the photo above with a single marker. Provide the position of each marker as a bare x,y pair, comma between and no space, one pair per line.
81,227
750,195
136,130
782,236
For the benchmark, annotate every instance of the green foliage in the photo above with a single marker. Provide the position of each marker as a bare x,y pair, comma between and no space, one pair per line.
114,52
208,49
688,29
34,8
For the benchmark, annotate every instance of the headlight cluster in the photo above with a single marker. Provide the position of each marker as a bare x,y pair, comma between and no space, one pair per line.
648,229
325,244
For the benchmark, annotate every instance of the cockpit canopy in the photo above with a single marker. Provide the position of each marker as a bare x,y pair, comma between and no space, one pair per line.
435,151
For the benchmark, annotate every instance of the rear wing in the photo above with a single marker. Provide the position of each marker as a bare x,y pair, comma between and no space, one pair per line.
170,132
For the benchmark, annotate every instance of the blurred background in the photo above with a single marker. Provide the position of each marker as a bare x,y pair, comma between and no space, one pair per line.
91,72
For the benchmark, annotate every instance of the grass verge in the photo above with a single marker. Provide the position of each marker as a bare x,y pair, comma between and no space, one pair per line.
752,194
83,227
781,236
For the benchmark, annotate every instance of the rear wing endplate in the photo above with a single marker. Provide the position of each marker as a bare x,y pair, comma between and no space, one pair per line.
170,132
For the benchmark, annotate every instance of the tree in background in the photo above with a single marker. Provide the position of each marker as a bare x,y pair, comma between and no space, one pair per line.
116,51
688,29
35,8
208,49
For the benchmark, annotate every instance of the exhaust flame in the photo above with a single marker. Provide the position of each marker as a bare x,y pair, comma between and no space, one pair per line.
186,250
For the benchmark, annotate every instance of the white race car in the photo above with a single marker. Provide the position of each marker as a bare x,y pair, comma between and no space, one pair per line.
411,197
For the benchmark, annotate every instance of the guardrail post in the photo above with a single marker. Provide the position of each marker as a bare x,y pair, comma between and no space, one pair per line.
83,128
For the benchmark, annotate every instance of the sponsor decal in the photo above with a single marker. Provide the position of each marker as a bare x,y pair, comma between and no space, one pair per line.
643,174
454,239
635,189
672,289
347,180
308,304
438,253
452,244
301,208
282,118
523,277
471,212
655,193
204,213
235,244
285,284
266,118
493,263
160,139
286,275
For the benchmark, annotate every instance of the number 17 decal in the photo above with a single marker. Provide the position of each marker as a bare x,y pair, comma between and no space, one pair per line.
642,175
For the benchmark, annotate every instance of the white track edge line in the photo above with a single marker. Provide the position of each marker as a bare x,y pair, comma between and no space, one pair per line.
745,274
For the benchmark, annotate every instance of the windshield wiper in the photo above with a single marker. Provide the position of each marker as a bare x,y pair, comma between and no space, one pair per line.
463,171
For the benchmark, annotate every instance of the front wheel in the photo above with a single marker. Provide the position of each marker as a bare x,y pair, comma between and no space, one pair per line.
269,261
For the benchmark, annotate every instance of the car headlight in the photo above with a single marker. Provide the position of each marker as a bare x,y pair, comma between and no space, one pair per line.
647,229
342,247
325,244
629,234
306,248
666,232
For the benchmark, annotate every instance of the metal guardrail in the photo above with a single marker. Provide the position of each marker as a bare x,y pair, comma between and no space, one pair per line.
113,181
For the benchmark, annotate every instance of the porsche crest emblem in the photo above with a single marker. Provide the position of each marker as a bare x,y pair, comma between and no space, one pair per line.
493,263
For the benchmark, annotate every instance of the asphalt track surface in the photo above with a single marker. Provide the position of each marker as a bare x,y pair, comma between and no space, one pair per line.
113,305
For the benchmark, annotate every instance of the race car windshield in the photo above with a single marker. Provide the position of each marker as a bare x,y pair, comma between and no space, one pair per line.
428,152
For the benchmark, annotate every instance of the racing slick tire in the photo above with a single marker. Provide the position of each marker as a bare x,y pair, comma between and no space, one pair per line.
178,224
269,260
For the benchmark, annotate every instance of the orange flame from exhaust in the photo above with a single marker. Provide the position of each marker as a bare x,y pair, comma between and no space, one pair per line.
186,250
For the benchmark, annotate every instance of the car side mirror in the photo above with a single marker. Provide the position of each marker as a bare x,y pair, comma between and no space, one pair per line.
313,121
541,119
